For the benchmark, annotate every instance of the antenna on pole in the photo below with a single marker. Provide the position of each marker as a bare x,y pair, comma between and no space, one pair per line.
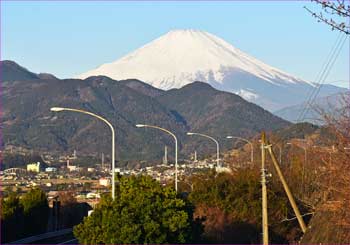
165,158
102,160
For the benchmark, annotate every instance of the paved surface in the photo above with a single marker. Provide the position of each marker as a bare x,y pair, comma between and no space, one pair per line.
56,237
72,241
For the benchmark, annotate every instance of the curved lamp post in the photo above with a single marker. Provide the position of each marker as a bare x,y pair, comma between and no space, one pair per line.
249,142
173,135
216,142
59,109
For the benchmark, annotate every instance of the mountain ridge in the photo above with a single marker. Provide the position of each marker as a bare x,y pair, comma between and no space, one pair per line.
27,120
11,71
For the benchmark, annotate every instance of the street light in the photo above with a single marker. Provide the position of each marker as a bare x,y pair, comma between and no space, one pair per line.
167,131
216,142
249,142
280,151
59,109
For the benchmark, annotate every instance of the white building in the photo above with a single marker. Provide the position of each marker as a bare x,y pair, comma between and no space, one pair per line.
104,181
33,167
50,169
93,195
71,167
223,170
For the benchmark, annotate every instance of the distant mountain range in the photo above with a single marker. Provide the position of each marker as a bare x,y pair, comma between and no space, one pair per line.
27,120
313,112
181,57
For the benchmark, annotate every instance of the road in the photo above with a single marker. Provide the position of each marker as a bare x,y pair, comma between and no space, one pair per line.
64,236
71,241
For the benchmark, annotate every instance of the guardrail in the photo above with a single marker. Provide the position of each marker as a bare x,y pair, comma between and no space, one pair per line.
43,236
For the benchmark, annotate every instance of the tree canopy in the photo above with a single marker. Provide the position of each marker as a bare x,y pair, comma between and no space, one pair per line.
143,212
24,217
231,205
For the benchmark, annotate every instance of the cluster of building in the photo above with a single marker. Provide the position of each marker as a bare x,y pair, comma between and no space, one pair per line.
61,174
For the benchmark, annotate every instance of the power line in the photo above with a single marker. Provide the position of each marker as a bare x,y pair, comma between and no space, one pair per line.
323,74
312,90
318,77
327,71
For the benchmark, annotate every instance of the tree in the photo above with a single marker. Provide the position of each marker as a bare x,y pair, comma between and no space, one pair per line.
336,14
331,221
11,218
36,211
143,212
67,198
23,217
71,212
231,205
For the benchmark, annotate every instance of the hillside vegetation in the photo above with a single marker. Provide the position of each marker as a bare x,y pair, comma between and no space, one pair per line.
28,122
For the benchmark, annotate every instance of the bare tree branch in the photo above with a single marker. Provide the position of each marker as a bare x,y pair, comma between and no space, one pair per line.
333,8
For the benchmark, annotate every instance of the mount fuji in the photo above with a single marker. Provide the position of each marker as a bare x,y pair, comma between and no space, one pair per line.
181,57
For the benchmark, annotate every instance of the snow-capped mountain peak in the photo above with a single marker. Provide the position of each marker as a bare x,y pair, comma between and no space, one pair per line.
181,57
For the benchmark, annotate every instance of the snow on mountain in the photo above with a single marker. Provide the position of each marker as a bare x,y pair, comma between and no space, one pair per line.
181,57
246,94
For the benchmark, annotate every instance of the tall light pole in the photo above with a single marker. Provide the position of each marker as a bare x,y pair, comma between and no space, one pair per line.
167,131
280,155
216,142
249,142
59,109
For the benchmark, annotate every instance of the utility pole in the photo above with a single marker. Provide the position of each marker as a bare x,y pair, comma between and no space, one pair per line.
287,190
195,156
265,228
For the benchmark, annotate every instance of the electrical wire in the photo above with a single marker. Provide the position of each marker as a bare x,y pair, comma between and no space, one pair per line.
319,77
325,74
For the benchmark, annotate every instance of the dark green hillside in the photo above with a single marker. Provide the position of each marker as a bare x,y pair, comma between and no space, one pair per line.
218,113
142,87
28,122
299,130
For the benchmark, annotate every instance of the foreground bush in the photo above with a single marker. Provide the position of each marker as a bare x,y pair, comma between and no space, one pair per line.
143,212
24,217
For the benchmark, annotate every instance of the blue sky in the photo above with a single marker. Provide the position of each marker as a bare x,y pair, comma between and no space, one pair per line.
68,38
